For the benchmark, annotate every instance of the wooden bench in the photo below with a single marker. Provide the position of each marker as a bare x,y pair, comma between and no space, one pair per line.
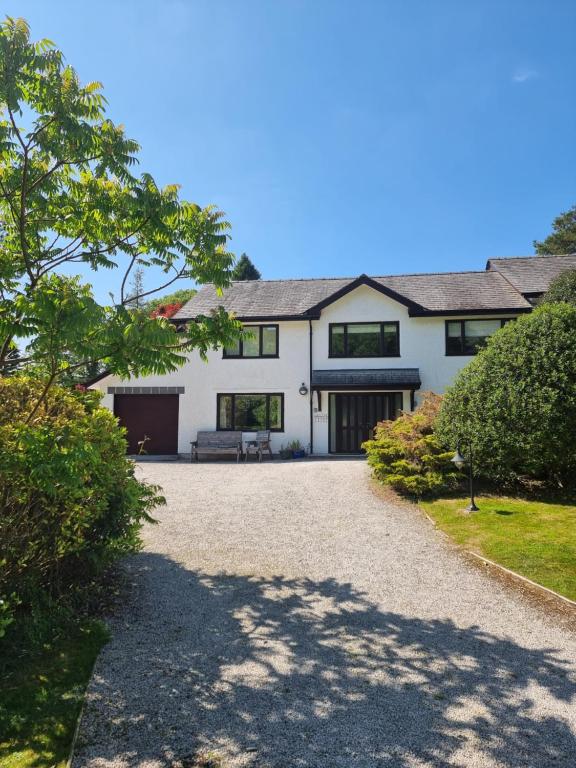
216,442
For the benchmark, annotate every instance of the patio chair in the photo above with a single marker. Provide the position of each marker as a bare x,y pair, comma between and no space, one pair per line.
259,444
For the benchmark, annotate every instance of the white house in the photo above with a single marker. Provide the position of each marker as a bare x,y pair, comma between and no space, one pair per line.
327,358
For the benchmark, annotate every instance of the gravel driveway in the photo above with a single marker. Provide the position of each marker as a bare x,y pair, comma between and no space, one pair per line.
284,616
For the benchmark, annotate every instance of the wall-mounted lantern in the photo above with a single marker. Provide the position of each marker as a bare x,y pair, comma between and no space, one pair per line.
303,389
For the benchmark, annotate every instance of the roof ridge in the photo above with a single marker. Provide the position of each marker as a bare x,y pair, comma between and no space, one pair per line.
534,256
372,277
428,274
290,279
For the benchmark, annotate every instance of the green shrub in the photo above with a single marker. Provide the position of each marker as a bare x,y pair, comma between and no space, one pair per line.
70,504
407,455
562,288
516,401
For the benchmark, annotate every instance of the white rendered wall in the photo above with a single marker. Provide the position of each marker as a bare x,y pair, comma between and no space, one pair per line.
203,381
422,346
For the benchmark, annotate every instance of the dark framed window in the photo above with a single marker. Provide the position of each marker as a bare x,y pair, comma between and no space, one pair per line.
466,337
250,412
378,339
260,341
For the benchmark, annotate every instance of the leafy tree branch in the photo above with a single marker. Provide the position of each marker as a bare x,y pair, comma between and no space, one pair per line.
70,195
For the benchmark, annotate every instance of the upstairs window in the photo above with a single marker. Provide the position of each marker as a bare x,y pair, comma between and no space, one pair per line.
466,337
365,339
260,341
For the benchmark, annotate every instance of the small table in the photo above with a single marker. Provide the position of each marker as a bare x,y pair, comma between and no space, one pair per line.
250,445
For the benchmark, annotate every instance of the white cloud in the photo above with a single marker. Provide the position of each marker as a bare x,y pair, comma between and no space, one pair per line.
522,75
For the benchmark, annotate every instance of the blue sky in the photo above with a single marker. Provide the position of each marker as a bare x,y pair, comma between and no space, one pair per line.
343,136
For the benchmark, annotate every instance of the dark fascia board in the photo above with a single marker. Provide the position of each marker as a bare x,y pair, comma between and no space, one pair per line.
396,387
414,310
468,312
98,378
271,318
257,318
365,280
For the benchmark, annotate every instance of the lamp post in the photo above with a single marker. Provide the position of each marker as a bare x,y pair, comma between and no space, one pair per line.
460,461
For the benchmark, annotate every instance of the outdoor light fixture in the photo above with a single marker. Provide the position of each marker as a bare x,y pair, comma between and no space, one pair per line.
460,461
303,389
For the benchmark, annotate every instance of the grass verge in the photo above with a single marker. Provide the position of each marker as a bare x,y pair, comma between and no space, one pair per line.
41,696
536,539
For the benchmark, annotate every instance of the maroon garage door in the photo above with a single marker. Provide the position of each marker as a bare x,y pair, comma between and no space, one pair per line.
149,416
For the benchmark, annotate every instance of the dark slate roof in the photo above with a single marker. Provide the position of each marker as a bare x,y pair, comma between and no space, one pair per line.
451,292
373,377
454,291
532,274
253,298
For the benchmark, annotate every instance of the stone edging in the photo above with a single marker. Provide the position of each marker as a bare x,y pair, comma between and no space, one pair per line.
487,561
77,728
522,578
68,763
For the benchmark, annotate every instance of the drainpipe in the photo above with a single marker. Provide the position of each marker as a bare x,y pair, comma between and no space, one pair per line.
310,390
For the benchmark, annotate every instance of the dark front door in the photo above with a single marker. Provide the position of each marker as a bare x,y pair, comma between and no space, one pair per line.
354,416
149,416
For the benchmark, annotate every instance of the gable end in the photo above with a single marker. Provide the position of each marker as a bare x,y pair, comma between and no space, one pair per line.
368,281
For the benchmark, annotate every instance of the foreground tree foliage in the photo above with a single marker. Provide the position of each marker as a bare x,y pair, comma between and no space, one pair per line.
71,202
563,238
516,401
407,455
70,502
69,196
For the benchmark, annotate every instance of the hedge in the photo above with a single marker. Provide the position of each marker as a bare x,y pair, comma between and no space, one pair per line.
70,503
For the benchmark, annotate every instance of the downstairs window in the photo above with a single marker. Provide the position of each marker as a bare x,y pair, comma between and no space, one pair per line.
248,413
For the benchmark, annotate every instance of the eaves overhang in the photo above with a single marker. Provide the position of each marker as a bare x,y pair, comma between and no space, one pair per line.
256,318
469,312
96,379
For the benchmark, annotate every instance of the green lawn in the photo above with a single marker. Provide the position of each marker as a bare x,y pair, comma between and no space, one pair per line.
41,696
536,539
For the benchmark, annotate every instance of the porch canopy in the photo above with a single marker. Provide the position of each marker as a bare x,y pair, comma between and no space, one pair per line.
374,379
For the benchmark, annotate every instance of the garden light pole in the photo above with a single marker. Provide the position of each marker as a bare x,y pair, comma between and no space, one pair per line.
460,461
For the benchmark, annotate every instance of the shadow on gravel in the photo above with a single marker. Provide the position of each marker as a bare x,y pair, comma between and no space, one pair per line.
292,672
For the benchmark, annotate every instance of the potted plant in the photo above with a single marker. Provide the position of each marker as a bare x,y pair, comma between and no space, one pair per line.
285,453
296,449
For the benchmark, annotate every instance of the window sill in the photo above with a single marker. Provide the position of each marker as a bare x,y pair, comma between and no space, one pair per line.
249,431
256,357
362,357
